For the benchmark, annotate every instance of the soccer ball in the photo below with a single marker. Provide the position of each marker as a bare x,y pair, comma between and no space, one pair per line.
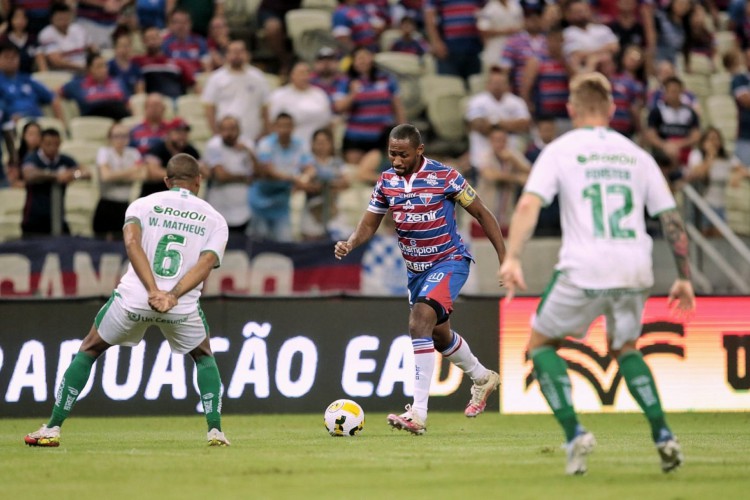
344,417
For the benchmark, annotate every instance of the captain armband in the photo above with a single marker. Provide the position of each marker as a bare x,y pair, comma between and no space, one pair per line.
467,196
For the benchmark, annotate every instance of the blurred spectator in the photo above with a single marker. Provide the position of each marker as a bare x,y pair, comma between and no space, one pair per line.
37,11
408,8
586,42
671,25
99,19
153,128
374,162
496,106
353,26
326,74
502,172
673,127
453,35
218,41
64,42
181,44
329,181
153,13
531,42
9,174
272,18
544,132
627,26
202,12
123,67
379,11
176,141
32,58
97,93
162,74
47,173
283,164
741,93
664,71
628,95
238,89
119,167
742,24
496,21
699,38
308,106
711,166
372,100
411,41
545,81
231,163
20,95
31,138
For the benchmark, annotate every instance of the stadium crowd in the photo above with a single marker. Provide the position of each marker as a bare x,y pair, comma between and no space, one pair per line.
287,108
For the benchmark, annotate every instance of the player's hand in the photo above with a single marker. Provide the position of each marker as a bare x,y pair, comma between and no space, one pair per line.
342,249
161,301
681,299
512,276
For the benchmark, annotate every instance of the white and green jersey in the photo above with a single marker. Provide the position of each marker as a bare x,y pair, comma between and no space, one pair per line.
177,227
603,182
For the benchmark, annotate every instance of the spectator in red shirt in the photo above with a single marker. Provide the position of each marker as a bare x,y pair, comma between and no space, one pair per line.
153,128
162,74
97,93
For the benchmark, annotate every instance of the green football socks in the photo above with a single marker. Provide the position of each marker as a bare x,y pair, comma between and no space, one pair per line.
641,385
552,374
72,384
209,385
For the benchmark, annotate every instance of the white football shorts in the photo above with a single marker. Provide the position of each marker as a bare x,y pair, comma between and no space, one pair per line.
566,310
118,326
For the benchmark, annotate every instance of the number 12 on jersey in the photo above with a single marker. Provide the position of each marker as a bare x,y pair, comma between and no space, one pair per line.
615,211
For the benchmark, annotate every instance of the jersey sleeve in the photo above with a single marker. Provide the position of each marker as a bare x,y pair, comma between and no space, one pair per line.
135,213
456,188
543,179
658,196
378,201
216,242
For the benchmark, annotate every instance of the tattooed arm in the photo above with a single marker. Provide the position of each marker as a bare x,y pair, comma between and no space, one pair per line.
681,294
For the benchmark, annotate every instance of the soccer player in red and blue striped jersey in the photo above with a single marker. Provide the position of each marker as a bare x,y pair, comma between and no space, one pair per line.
421,195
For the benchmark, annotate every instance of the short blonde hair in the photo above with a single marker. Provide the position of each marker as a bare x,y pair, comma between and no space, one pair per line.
591,93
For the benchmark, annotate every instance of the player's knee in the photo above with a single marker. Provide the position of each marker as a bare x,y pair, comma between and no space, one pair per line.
422,321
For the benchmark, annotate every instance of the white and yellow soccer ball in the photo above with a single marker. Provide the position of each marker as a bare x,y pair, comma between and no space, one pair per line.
344,417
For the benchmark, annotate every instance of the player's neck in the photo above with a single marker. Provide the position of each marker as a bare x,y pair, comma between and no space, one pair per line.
592,122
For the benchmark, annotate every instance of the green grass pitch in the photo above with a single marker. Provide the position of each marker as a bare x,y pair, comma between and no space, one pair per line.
291,456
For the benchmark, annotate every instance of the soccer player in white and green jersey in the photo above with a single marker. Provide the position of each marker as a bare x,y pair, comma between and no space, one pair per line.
173,240
603,182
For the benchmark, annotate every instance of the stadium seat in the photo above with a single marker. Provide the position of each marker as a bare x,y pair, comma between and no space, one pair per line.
44,122
300,21
200,81
81,198
131,121
444,113
721,83
399,63
434,85
725,41
90,128
387,38
477,83
698,84
722,113
83,152
701,65
738,207
274,81
329,5
11,209
190,105
199,129
53,80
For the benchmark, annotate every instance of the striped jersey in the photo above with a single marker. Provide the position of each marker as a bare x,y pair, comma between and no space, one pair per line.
551,89
354,22
626,91
372,108
518,49
423,208
458,23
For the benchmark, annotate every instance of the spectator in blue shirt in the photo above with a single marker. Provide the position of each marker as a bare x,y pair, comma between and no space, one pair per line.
122,66
283,164
20,95
97,93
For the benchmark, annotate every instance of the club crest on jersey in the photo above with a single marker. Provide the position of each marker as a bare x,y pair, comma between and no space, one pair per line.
425,197
393,181
432,179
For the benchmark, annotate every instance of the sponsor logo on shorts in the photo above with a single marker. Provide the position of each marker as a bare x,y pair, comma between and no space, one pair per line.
436,277
133,316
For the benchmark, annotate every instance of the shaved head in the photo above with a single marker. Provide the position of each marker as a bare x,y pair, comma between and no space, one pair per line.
183,167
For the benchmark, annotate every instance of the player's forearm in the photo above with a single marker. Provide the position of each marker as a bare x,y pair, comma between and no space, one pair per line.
522,224
139,261
364,231
195,276
491,229
674,232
